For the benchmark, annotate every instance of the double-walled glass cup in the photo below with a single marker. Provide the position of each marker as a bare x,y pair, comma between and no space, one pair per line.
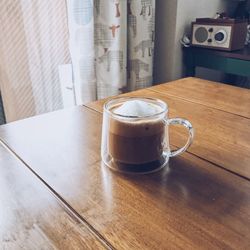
139,144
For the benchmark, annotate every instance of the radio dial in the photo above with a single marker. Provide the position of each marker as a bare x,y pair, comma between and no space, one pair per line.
220,36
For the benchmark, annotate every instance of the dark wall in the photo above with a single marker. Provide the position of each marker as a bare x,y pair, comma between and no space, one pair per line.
2,118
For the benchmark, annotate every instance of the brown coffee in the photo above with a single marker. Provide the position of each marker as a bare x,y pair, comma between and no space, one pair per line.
136,143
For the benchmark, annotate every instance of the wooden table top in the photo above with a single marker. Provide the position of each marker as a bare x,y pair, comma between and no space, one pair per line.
200,201
32,217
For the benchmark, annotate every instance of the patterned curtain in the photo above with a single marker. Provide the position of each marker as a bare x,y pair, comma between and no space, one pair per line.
111,46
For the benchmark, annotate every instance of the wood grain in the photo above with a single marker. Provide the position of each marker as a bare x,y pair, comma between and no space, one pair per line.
31,217
190,205
220,96
220,137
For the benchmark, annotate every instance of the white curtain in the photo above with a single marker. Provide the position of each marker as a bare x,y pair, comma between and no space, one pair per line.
111,46
34,41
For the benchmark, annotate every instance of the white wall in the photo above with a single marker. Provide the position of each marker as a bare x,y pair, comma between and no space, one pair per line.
166,13
173,19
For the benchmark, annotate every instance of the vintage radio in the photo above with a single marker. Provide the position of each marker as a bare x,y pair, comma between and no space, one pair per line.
223,34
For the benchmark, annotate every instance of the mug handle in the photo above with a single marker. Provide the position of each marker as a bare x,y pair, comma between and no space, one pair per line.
188,125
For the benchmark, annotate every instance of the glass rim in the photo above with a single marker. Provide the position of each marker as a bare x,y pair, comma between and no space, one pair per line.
115,100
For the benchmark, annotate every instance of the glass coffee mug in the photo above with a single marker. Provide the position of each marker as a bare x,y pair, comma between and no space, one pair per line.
138,143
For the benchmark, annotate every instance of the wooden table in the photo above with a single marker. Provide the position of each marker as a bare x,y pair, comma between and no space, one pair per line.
57,192
232,62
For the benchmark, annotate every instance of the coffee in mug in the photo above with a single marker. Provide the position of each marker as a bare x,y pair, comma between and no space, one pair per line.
135,134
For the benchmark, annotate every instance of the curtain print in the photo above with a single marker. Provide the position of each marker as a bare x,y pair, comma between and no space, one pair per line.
112,46
141,26
83,12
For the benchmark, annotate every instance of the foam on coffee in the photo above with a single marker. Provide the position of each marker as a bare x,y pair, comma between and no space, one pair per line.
137,108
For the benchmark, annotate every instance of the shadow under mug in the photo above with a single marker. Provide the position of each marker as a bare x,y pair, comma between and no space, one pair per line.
139,144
